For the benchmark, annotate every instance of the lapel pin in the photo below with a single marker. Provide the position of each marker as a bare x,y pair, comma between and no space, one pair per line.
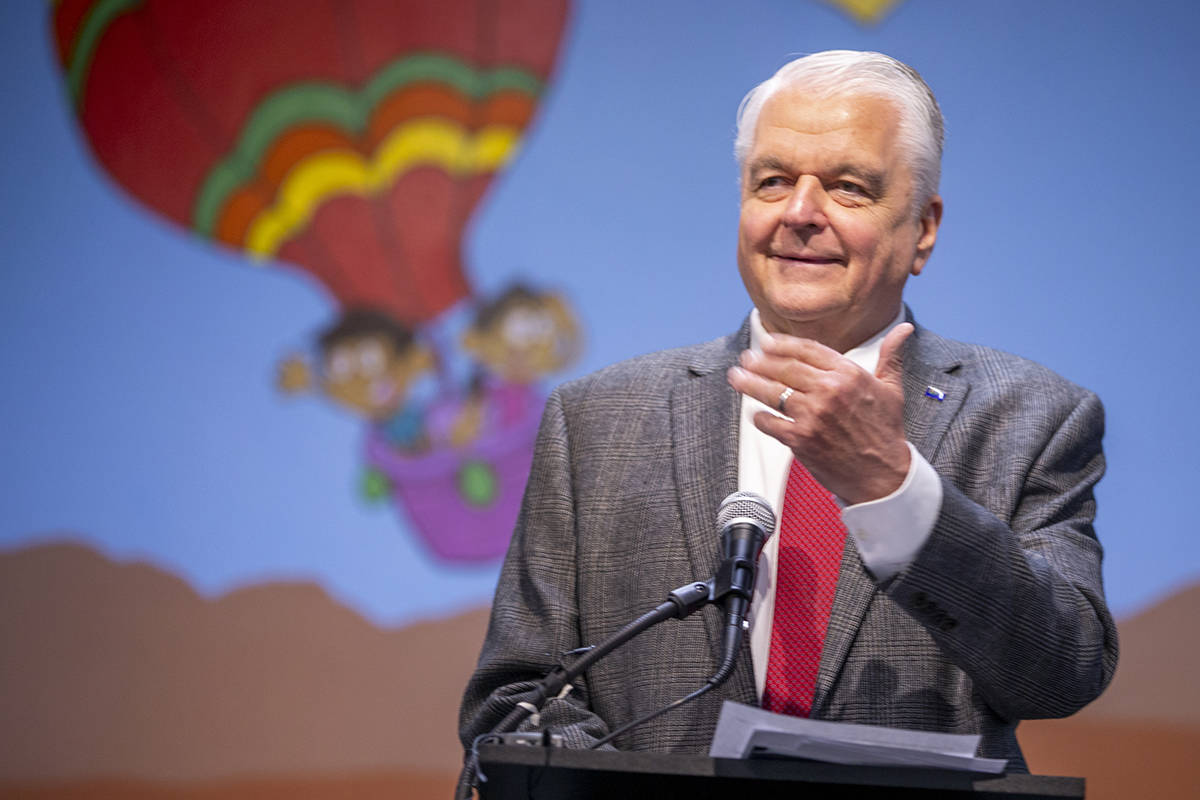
935,393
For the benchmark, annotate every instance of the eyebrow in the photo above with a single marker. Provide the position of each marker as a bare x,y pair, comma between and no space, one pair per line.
875,180
766,164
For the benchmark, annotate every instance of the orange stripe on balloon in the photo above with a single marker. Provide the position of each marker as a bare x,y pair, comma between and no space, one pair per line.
503,107
292,148
415,100
508,108
240,210
297,144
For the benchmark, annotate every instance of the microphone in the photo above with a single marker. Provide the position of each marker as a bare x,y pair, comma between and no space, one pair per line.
746,520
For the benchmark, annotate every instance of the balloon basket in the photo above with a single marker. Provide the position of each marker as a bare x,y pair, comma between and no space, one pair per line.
462,502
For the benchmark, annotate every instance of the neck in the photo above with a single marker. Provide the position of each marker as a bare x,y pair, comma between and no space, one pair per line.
839,337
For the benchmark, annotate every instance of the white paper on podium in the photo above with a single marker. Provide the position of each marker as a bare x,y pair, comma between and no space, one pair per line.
744,730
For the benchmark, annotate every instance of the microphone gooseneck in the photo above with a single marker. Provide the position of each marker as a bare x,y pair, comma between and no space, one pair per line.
745,521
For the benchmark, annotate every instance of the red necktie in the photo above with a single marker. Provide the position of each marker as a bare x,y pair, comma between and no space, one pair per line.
811,539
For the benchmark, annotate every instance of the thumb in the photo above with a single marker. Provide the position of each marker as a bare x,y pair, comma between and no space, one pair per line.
891,354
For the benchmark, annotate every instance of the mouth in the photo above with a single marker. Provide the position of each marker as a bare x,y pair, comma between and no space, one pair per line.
382,392
807,259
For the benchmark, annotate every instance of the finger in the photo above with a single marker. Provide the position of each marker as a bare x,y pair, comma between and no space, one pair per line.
787,371
890,369
807,350
750,384
779,427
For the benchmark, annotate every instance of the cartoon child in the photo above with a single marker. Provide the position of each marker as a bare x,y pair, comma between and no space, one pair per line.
370,364
517,339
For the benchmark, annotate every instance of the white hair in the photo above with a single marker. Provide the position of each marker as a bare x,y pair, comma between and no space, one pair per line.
851,72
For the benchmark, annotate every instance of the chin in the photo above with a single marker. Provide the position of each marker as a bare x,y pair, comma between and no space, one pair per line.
800,312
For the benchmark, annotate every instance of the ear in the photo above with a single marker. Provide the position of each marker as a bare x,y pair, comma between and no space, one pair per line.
567,335
928,222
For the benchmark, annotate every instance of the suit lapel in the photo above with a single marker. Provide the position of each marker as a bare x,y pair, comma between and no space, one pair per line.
933,393
704,440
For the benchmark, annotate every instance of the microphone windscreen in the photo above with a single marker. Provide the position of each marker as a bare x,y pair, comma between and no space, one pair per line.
746,507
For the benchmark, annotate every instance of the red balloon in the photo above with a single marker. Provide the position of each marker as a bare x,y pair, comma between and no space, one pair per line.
352,140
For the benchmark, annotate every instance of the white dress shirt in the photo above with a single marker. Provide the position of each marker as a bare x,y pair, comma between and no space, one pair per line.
888,532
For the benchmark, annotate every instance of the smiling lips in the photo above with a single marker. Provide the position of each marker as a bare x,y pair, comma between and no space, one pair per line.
808,258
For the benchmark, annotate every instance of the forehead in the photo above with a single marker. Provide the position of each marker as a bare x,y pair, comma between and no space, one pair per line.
799,125
360,342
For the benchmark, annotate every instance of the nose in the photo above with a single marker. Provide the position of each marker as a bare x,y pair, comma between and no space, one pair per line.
806,205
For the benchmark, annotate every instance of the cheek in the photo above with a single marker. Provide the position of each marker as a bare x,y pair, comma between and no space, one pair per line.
860,232
755,225
400,375
884,257
752,240
872,246
750,270
345,393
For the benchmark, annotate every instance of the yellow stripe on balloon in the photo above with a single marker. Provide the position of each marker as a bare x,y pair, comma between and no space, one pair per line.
424,142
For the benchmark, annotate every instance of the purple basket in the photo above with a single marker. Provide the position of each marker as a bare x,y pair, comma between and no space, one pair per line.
431,487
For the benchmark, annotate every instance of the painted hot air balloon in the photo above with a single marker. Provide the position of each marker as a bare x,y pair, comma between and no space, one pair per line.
350,140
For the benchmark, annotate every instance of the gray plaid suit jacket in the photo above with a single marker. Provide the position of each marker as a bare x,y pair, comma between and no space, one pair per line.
1000,617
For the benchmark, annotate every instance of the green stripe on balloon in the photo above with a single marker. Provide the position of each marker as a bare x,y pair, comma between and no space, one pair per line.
348,109
445,69
98,18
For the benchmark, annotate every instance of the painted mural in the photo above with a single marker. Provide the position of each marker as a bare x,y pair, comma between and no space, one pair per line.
353,145
277,272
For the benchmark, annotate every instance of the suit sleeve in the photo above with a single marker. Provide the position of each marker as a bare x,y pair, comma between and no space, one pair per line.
1018,605
535,615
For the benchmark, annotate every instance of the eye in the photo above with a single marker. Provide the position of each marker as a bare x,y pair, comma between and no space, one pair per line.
526,326
340,364
850,187
773,186
371,357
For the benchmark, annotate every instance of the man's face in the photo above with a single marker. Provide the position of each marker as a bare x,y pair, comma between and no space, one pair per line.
828,236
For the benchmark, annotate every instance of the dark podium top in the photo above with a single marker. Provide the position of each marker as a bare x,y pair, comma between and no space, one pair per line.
525,773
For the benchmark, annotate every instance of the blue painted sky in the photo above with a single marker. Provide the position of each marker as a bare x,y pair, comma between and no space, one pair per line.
138,363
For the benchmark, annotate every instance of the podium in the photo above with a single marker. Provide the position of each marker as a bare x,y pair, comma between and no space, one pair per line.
516,772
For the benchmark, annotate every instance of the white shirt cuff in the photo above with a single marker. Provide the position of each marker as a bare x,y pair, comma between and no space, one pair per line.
890,531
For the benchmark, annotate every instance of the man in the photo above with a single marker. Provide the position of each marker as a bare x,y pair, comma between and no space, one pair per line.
952,484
